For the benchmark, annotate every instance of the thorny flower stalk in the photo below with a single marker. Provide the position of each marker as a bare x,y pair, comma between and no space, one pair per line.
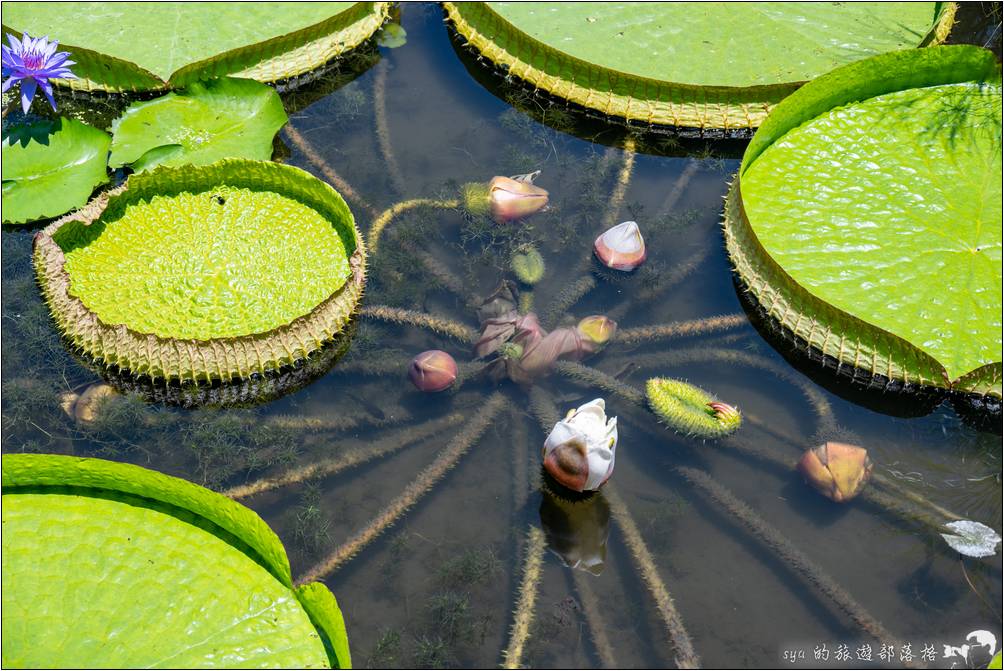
519,634
420,486
686,656
788,553
336,180
383,130
348,459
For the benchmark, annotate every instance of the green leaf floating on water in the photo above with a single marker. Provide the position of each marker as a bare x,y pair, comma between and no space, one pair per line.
50,168
705,65
876,191
392,36
113,565
140,45
208,272
207,121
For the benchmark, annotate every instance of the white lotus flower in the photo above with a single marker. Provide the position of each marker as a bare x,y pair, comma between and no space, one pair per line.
579,452
972,538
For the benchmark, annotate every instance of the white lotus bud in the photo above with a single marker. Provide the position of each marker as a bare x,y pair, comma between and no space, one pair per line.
579,452
621,247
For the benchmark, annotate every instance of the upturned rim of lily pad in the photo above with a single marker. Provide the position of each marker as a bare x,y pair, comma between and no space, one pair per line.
219,358
204,510
275,59
624,96
866,352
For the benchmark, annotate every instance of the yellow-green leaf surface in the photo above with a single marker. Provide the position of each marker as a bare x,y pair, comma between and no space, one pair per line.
721,44
221,118
704,65
105,566
860,220
50,168
144,45
889,209
226,261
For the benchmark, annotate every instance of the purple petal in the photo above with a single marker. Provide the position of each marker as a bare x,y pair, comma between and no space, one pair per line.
47,90
57,60
51,49
26,42
7,84
14,44
27,93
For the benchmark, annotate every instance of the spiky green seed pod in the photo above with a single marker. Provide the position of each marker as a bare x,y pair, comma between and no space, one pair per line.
691,410
528,265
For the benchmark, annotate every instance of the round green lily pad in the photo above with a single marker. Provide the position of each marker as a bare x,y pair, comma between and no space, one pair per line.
204,273
109,565
693,65
207,121
50,167
866,217
135,46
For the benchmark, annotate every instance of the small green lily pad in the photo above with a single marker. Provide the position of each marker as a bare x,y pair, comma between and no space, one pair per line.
870,216
109,565
207,121
50,168
392,36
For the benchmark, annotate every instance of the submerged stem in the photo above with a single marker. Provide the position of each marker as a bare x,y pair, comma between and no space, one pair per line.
680,329
568,297
441,325
382,221
686,657
787,552
519,634
348,459
594,620
421,485
623,181
671,279
383,130
343,422
327,171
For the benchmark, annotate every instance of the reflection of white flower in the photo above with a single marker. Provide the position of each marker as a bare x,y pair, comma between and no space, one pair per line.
972,538
579,452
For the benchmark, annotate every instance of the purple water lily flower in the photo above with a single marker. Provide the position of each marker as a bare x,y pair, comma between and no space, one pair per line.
33,62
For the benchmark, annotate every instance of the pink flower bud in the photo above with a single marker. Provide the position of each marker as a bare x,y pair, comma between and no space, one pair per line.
723,411
621,247
433,370
837,470
511,198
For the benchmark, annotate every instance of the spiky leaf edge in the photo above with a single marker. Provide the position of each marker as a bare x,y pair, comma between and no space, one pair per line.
191,360
848,339
272,60
631,97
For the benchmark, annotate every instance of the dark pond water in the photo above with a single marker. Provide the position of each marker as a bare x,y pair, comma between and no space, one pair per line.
438,588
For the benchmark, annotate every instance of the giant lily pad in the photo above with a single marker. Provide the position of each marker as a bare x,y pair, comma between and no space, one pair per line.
50,167
866,217
689,64
108,565
221,118
202,273
140,46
